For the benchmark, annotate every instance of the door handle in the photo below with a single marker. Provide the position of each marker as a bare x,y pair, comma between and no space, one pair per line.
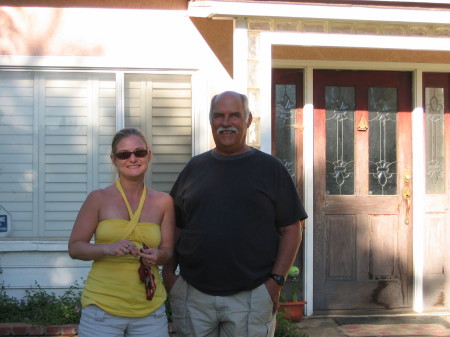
407,195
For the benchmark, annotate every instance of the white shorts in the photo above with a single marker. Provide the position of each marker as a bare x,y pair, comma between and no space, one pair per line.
96,322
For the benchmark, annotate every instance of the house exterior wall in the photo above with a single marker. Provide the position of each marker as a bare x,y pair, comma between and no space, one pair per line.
156,41
161,46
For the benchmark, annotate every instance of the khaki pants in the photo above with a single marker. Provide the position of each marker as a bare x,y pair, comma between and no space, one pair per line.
196,314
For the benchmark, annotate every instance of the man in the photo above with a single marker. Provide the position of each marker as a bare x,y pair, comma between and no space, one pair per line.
238,216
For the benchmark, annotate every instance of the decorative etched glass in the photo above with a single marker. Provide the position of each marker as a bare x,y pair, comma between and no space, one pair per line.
340,112
382,141
285,119
434,140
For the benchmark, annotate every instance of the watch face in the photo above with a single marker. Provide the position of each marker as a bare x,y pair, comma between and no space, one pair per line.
279,279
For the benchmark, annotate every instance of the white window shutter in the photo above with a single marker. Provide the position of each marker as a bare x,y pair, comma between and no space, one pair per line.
17,148
55,140
79,121
161,106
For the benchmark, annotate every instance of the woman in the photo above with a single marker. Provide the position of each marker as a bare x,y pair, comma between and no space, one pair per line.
119,298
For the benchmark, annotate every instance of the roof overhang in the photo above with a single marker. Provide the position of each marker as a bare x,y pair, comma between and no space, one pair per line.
436,12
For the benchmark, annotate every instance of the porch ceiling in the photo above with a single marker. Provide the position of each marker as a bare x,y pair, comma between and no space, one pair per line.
280,52
218,34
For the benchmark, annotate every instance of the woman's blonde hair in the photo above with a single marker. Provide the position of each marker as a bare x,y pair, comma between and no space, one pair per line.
126,132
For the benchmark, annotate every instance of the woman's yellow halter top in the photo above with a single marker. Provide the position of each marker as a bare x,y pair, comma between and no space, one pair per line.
113,283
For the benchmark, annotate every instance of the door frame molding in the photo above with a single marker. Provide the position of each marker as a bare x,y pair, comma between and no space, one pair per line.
269,39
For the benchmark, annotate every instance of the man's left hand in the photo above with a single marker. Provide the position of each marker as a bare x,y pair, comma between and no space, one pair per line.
274,291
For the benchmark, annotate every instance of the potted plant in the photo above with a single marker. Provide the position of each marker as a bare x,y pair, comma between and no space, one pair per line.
292,307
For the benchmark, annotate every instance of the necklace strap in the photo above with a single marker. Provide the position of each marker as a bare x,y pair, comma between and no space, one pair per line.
134,217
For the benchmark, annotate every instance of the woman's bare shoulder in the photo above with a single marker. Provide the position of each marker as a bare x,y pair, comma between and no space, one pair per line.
102,194
159,196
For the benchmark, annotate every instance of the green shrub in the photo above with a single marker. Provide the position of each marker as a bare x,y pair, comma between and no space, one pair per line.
9,306
286,328
41,308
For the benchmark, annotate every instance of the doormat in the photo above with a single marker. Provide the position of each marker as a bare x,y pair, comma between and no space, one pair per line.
393,326
392,320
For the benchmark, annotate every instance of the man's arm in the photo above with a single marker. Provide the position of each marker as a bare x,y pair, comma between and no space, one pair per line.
291,237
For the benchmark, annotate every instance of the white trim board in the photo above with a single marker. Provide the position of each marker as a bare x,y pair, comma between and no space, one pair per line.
208,9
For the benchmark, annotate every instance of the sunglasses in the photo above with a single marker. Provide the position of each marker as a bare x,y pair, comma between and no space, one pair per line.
127,154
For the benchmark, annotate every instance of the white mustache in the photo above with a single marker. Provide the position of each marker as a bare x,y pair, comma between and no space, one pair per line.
230,128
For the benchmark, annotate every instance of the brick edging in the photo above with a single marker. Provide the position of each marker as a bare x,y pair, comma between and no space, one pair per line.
29,330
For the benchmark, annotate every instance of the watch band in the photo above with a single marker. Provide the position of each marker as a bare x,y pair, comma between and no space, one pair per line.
279,279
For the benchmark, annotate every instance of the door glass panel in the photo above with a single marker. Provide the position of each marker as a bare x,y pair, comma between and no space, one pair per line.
382,141
434,113
285,98
340,112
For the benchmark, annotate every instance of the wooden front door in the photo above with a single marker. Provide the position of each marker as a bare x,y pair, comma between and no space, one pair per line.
436,278
362,180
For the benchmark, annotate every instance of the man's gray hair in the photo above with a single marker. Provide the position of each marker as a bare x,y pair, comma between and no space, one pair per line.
244,101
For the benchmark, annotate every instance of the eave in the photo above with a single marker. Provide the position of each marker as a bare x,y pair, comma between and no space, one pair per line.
436,12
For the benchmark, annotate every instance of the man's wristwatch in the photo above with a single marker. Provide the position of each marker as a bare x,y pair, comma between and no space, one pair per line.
279,279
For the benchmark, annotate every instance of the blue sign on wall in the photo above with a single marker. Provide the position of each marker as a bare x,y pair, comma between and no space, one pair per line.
3,223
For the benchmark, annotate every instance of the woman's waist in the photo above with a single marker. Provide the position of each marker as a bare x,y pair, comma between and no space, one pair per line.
119,263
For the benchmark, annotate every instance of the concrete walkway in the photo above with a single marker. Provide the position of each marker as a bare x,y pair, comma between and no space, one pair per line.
397,325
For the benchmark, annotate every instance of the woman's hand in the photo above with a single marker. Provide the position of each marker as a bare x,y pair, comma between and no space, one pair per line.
151,256
121,248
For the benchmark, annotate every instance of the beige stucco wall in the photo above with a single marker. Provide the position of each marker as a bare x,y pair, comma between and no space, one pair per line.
144,34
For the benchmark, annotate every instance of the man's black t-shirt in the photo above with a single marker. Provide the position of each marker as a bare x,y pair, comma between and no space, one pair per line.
229,209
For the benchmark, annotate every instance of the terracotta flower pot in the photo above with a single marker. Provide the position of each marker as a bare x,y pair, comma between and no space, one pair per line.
293,311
